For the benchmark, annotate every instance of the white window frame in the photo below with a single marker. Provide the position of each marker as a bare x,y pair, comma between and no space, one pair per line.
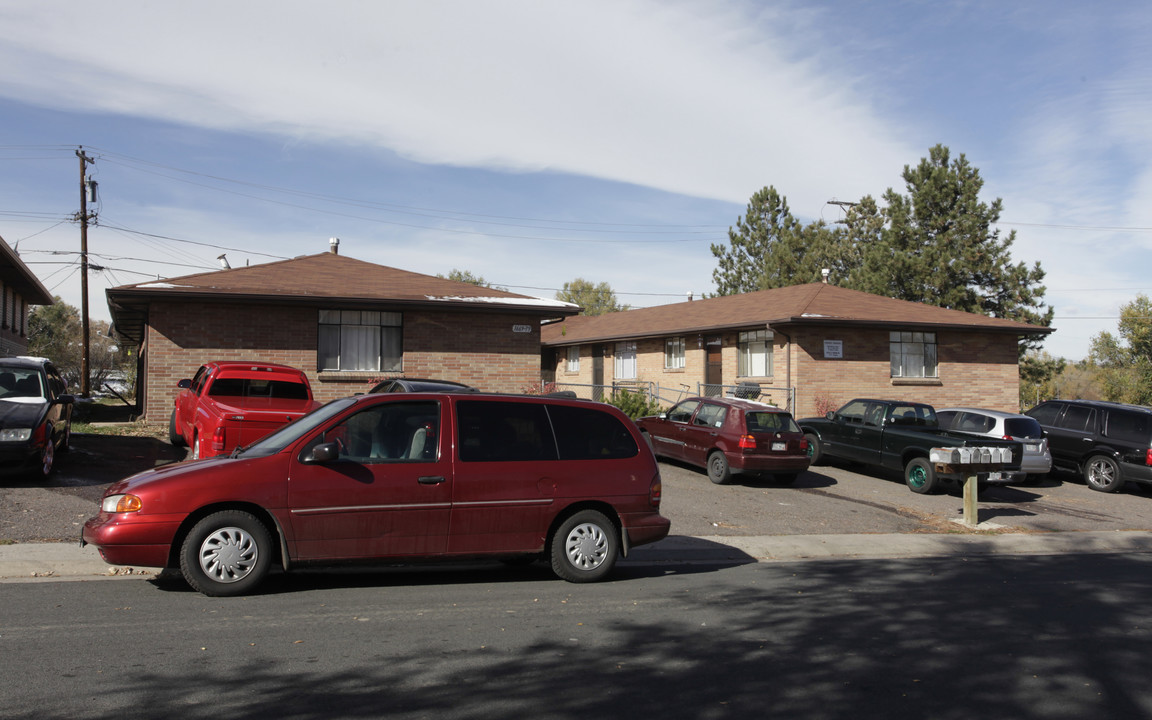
674,353
573,362
913,354
359,340
624,366
754,353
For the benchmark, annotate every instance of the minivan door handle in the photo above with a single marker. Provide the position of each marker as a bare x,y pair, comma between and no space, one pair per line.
431,480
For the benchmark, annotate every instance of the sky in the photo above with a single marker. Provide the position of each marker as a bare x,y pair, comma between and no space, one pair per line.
532,143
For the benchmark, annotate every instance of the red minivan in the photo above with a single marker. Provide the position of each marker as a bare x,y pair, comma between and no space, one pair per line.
397,476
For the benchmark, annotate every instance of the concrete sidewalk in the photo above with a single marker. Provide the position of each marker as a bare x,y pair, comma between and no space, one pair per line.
30,562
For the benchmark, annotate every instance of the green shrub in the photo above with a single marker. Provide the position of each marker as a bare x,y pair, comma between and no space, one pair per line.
634,404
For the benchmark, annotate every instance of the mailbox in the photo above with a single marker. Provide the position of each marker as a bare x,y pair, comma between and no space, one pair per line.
969,462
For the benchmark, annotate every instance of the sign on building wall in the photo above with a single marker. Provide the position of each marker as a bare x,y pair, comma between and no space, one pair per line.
834,349
521,328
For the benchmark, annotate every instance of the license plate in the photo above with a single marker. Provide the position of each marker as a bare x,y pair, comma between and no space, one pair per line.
1032,448
779,447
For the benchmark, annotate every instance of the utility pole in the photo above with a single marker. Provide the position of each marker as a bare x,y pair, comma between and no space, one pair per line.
85,389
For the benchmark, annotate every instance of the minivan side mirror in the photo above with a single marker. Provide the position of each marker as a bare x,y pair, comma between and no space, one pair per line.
322,453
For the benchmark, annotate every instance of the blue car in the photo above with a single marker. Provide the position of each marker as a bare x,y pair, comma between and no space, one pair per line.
35,415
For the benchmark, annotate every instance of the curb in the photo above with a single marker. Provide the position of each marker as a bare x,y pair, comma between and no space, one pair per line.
68,561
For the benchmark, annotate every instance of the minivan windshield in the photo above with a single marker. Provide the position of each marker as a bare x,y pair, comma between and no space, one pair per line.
290,433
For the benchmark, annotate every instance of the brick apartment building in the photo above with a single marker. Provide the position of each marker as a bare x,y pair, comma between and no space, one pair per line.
19,289
817,343
345,322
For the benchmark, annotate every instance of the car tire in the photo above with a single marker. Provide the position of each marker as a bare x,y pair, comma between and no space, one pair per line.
47,456
920,476
814,451
66,441
1101,473
227,553
174,436
718,470
584,547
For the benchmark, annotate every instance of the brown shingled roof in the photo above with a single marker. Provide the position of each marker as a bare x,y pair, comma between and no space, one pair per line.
814,303
325,278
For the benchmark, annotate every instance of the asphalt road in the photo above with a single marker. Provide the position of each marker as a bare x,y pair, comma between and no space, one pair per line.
1048,637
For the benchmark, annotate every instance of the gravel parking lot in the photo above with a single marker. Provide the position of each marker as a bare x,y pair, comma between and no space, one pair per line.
826,500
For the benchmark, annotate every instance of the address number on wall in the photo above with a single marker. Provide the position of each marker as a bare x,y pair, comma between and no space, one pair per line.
521,328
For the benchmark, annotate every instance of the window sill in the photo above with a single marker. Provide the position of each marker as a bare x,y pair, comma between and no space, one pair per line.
341,376
917,381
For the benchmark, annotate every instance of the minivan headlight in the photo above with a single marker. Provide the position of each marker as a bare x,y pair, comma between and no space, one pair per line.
121,504
15,434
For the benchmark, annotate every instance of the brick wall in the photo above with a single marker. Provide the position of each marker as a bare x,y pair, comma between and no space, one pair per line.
479,349
974,368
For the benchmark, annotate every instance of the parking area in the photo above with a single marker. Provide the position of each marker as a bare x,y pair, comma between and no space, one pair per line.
834,499
828,499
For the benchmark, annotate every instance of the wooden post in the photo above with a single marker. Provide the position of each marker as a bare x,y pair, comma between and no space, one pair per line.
970,492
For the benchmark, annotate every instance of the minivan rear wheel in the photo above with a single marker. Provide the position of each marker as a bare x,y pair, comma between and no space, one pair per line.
585,547
1103,474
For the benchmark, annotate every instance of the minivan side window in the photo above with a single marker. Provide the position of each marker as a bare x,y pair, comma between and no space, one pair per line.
496,431
590,434
1129,426
389,432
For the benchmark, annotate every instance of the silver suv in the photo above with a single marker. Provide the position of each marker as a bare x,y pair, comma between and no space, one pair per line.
1037,460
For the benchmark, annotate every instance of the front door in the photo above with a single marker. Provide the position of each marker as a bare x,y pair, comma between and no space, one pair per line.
598,373
714,367
388,494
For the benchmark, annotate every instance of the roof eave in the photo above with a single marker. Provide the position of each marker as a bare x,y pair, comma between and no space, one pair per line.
826,320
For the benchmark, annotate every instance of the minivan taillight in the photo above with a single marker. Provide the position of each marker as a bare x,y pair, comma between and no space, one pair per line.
655,490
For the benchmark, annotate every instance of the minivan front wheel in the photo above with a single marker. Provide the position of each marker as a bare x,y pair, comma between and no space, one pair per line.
227,553
585,547
1103,474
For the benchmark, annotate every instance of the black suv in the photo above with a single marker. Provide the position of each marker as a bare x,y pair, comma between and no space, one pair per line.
35,415
419,385
1108,443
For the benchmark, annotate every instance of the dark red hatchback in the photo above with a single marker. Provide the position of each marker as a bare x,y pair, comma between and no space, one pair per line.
729,436
397,476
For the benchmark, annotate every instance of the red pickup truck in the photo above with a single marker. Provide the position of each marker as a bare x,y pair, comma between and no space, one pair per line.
230,403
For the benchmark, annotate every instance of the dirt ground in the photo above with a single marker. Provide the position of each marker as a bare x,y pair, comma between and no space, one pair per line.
32,510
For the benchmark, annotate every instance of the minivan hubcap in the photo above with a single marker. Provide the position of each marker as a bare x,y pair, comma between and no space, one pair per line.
228,555
587,546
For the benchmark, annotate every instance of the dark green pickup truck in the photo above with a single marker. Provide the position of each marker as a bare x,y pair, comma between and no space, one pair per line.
894,435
